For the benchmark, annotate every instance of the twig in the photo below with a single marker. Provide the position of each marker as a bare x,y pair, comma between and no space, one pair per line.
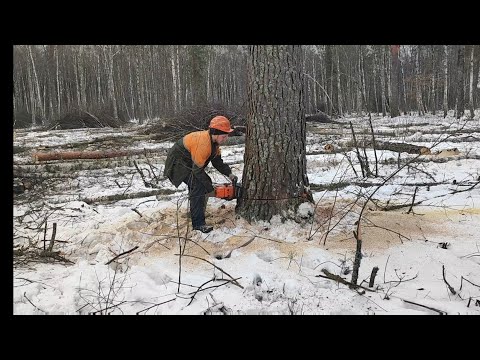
126,252
427,307
25,295
341,280
138,212
45,236
413,200
351,164
210,287
107,308
358,152
151,168
374,148
215,266
452,290
358,257
461,283
54,232
138,312
385,270
372,276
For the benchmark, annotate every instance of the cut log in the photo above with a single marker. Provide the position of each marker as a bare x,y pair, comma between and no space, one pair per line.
79,165
69,155
401,147
117,197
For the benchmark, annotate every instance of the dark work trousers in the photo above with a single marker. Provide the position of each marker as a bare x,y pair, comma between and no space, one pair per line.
196,194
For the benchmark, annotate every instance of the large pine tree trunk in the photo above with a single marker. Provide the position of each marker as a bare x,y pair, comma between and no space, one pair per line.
274,176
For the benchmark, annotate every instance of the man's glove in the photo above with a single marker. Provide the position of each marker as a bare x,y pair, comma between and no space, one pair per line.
233,178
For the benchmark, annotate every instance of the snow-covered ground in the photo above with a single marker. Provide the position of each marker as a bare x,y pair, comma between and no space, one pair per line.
260,268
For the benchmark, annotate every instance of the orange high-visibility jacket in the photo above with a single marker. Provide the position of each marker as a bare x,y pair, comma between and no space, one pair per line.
190,155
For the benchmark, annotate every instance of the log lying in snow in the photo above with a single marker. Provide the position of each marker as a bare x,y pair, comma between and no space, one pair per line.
69,155
117,197
397,147
73,166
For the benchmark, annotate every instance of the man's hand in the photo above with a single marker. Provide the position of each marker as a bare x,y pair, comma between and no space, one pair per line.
233,178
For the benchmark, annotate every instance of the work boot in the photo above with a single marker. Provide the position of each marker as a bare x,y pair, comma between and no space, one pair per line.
204,228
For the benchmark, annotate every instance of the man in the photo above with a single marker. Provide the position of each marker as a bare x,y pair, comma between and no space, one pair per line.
186,162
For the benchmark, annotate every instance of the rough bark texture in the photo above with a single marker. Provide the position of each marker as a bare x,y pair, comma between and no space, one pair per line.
274,178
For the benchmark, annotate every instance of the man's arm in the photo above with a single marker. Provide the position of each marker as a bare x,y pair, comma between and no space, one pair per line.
218,164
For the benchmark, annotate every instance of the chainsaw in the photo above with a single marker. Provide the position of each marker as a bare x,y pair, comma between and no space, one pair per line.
228,191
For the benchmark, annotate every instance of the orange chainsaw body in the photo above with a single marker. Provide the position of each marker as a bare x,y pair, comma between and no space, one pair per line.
228,191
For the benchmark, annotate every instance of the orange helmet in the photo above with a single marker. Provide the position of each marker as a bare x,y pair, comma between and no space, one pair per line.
221,123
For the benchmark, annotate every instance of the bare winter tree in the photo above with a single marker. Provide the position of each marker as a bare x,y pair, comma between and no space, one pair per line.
470,88
274,174
445,80
460,103
395,80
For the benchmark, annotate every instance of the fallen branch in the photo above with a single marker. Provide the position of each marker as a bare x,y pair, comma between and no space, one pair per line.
117,197
99,154
452,290
399,147
427,307
138,312
124,253
221,256
413,200
216,267
341,280
206,282
372,276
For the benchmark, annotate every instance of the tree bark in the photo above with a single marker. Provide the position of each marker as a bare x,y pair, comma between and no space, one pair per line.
274,176
470,92
339,87
382,81
445,80
394,79
418,90
460,108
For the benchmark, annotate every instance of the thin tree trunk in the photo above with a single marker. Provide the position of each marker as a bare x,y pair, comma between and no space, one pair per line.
59,85
382,81
434,99
445,80
460,103
339,88
470,92
418,91
37,86
394,80
375,71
